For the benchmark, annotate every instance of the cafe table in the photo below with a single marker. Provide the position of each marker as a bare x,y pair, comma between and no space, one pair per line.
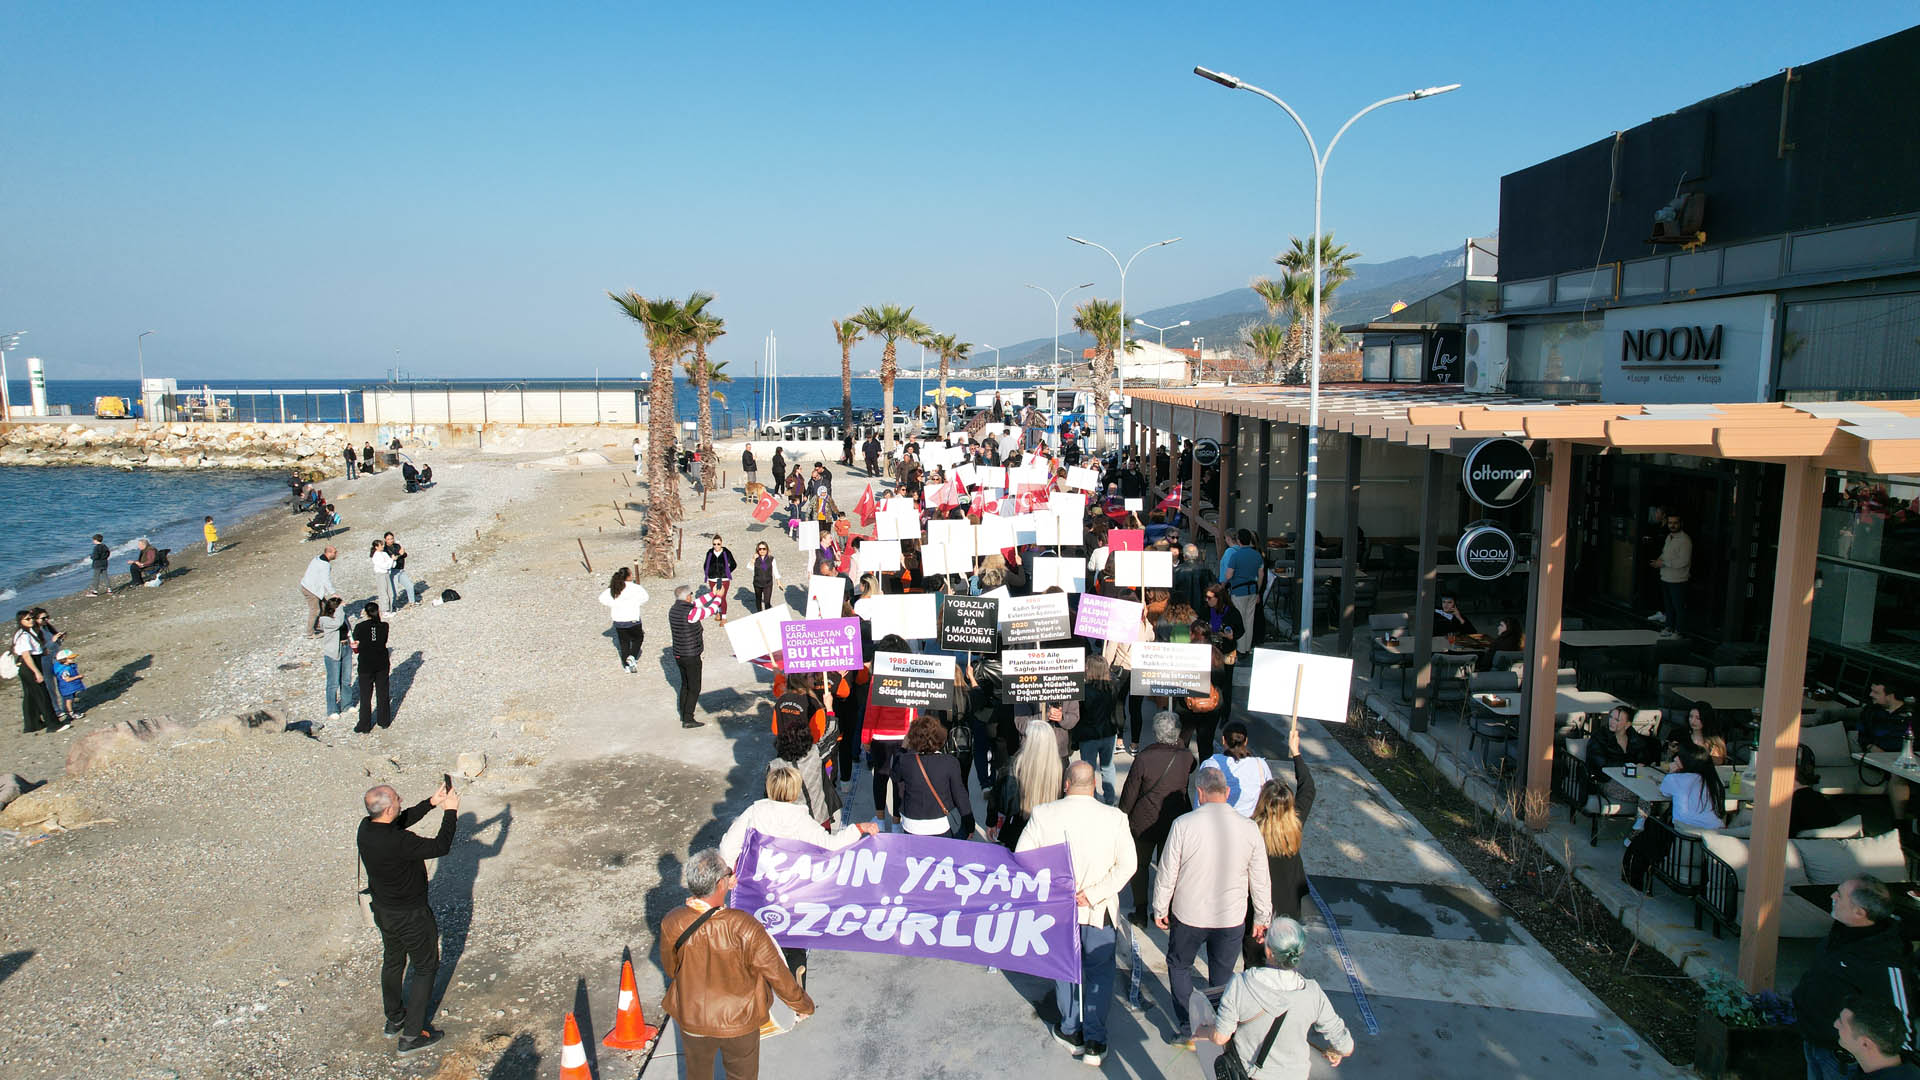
1888,761
1646,784
1467,644
1737,698
1608,639
1568,701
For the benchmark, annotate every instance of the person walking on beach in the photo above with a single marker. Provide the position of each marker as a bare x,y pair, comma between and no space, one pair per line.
370,644
316,584
212,534
689,641
779,467
353,463
749,466
720,566
101,555
624,599
69,684
36,672
50,643
396,863
399,585
871,451
723,970
336,653
766,576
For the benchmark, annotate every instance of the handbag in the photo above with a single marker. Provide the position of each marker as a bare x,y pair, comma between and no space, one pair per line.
1204,703
952,812
1228,1065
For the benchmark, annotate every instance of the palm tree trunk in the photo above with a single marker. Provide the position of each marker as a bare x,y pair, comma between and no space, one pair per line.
887,373
846,387
1296,352
702,388
663,489
941,405
1102,387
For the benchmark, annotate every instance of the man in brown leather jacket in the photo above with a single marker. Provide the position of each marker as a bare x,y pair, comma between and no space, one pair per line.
723,970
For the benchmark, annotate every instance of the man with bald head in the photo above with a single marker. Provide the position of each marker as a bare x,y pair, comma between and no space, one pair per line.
1103,863
396,862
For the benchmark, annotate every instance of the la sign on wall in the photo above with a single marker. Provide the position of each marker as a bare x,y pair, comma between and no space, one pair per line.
1692,353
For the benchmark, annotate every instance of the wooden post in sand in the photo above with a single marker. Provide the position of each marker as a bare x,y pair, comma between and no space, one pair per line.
583,554
617,514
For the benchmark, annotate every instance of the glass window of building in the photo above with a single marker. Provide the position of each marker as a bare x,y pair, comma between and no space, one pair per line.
1696,270
1862,245
1407,359
1866,600
1524,294
1751,262
1643,278
1865,346
1594,284
1376,363
1555,359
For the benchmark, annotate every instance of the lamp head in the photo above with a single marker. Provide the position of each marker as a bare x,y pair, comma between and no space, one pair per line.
1433,91
1138,321
1077,240
1084,285
1186,322
1221,77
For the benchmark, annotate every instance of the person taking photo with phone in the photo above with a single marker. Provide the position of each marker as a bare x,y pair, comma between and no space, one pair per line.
396,865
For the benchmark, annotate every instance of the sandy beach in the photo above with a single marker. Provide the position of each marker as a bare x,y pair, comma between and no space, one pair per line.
205,923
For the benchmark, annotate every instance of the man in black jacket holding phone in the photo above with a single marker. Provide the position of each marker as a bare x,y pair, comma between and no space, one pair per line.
395,860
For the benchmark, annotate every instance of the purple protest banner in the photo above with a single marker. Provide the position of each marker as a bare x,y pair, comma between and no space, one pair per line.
821,645
1107,618
917,896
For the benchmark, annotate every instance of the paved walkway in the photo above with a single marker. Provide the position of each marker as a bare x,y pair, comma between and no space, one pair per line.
1453,987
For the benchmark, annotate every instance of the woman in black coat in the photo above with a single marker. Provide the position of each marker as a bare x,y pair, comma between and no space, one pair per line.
928,783
1281,814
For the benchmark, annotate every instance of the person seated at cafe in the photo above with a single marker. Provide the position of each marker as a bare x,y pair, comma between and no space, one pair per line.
1811,808
1508,637
1886,720
1706,731
1448,619
1617,746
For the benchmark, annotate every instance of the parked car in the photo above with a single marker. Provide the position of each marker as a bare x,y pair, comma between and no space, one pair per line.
793,423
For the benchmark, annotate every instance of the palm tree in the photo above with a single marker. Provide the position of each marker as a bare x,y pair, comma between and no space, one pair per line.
1290,296
1103,321
890,323
703,328
847,332
1335,271
1269,344
949,348
666,327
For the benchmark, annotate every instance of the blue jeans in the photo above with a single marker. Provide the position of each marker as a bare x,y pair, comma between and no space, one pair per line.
339,682
398,585
1088,1016
1099,754
1674,594
1824,1064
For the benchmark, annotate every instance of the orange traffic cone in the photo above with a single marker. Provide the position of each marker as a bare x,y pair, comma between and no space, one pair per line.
630,1028
573,1056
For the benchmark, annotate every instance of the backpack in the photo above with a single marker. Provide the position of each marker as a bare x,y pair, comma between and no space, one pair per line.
9,666
448,596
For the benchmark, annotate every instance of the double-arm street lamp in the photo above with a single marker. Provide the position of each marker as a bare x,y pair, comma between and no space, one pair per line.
1054,407
1161,365
1120,383
1313,400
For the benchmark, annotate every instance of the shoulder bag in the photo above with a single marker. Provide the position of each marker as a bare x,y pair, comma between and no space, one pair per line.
952,812
1228,1065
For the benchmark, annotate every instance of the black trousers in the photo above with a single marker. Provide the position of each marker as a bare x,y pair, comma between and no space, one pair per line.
408,934
850,715
689,686
629,638
374,681
36,708
1145,847
762,596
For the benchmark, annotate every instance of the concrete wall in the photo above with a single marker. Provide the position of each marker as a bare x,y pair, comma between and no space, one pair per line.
474,407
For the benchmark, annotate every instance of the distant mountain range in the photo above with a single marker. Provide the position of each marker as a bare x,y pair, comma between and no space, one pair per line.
1372,290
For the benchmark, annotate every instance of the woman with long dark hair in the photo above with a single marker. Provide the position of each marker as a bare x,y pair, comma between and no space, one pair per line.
766,576
337,653
623,600
1281,812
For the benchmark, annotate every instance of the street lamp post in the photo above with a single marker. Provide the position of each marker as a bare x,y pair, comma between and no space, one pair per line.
1119,373
140,351
1054,411
1163,341
1200,361
1313,398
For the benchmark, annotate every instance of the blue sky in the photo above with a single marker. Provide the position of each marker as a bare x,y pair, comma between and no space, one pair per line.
286,190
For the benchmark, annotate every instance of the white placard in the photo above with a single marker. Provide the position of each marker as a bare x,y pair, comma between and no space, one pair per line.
1046,528
1033,475
1068,573
1135,504
898,505
959,438
877,556
1071,531
826,596
994,533
1324,682
1067,503
1143,569
758,634
887,526
966,474
1082,478
934,560
1026,529
911,616
960,546
807,535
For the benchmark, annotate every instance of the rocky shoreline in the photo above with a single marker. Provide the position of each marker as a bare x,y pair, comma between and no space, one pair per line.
314,450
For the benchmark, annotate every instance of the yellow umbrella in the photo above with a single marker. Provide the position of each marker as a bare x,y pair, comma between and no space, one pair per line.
951,391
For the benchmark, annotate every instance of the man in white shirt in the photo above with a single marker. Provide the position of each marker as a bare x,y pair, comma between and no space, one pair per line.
1676,569
1213,861
317,584
1103,863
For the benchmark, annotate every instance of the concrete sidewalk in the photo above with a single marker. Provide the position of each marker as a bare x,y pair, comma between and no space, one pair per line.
1453,988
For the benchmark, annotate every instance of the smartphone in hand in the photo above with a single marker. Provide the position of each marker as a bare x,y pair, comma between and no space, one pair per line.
446,781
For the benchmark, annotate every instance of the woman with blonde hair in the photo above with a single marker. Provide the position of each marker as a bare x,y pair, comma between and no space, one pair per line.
1281,813
1036,777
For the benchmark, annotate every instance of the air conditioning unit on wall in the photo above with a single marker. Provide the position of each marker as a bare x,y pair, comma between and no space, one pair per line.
1486,358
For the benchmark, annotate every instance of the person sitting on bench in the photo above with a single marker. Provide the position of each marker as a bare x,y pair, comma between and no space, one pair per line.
322,522
146,565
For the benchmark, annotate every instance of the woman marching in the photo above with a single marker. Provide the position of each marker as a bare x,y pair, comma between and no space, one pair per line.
1281,814
766,576
624,599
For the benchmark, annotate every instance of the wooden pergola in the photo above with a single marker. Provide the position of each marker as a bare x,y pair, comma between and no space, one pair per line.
1805,439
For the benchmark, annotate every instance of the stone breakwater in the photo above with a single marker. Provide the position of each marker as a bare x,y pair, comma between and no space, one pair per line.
311,449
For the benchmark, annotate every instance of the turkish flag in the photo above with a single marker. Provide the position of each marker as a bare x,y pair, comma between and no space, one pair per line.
763,509
866,508
1172,501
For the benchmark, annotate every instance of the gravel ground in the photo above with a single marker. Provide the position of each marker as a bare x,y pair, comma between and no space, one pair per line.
207,927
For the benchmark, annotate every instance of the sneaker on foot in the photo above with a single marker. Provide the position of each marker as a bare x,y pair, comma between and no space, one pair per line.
1071,1042
91,592
64,725
693,723
410,1043
393,1027
1180,1040
1095,1055
1658,616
